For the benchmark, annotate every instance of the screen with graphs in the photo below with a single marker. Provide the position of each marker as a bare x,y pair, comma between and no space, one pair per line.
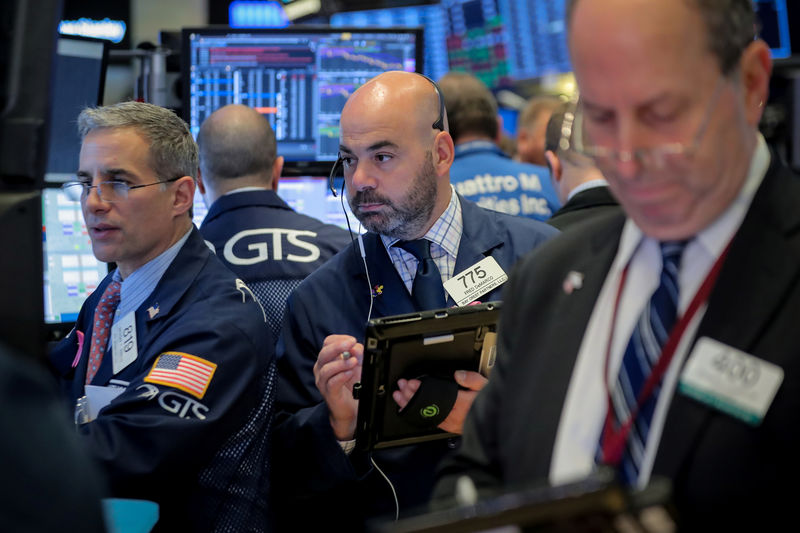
298,77
71,271
500,41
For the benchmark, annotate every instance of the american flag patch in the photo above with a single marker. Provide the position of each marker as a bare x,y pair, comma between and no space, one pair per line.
186,372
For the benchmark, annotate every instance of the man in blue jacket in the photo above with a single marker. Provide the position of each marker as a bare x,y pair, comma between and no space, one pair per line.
254,232
481,171
170,364
396,154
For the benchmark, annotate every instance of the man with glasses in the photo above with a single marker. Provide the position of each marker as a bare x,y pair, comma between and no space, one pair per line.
170,364
396,154
670,344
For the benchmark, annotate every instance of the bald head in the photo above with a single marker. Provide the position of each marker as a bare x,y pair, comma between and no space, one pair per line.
237,145
406,97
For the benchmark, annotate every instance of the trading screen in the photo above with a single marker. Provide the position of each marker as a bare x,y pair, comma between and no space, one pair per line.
71,271
299,80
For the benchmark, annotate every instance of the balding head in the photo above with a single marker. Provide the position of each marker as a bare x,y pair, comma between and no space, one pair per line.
396,160
237,149
407,97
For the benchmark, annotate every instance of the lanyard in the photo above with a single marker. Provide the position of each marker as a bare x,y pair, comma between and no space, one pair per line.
613,441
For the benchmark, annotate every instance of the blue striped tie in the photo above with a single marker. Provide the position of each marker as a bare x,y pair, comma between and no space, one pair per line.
641,355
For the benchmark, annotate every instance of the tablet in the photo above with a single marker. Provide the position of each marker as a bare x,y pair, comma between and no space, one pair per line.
429,343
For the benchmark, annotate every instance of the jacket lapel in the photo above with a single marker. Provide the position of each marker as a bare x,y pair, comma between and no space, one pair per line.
762,264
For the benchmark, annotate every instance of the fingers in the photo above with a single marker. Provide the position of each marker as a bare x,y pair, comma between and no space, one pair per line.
470,380
405,390
454,423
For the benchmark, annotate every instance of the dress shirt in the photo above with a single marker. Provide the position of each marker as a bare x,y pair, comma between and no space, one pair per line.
141,282
445,236
585,186
585,405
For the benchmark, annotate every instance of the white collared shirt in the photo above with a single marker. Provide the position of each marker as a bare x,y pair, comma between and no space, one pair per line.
585,405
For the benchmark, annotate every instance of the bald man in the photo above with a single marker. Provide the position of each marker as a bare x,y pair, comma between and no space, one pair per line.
396,153
253,231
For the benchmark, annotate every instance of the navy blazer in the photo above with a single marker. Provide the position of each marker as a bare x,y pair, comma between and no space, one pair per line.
725,474
309,464
153,440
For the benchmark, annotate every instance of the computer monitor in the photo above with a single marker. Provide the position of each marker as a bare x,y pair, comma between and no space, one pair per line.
433,19
71,271
299,77
504,41
78,81
774,26
308,195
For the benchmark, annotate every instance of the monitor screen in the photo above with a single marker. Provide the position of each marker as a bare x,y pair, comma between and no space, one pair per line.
71,271
774,26
308,195
433,18
500,41
298,77
78,79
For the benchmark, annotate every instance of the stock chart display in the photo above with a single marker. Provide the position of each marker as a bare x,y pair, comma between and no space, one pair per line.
300,80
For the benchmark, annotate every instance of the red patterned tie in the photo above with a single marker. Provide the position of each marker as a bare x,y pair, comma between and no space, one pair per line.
103,318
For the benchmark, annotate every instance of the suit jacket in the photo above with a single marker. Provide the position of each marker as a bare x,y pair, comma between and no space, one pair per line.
309,464
724,472
158,441
585,204
269,245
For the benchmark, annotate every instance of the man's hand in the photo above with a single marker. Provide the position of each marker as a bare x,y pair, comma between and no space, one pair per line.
335,375
454,423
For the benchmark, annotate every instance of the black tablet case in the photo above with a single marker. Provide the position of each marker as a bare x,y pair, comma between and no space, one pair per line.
437,342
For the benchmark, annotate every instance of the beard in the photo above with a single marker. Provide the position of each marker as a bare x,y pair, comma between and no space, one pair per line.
406,218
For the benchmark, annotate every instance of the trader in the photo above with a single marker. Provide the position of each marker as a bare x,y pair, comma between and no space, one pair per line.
670,350
254,232
396,154
169,362
481,171
581,187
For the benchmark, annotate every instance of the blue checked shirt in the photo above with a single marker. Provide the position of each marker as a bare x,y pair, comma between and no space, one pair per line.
445,236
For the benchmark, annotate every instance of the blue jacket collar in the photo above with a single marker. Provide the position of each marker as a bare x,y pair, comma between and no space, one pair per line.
266,198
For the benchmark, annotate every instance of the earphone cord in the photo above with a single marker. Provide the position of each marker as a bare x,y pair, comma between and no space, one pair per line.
361,248
394,492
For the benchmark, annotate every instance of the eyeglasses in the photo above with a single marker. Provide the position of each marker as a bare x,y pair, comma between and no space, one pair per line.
656,157
109,191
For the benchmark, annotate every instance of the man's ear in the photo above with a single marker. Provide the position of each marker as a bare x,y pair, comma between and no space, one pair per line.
554,165
755,70
443,152
184,195
499,136
277,168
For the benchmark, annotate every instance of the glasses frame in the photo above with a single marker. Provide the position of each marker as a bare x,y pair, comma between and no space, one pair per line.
116,186
650,157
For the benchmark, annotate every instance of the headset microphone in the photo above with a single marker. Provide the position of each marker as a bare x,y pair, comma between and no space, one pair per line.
331,185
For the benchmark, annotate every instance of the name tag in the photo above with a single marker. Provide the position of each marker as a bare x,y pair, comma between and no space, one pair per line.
477,280
730,380
124,350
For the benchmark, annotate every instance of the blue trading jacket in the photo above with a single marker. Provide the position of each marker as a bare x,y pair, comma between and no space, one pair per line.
157,442
482,173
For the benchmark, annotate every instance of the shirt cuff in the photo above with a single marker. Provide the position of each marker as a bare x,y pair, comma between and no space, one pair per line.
348,446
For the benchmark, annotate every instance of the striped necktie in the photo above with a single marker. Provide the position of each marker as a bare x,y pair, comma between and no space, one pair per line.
641,355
